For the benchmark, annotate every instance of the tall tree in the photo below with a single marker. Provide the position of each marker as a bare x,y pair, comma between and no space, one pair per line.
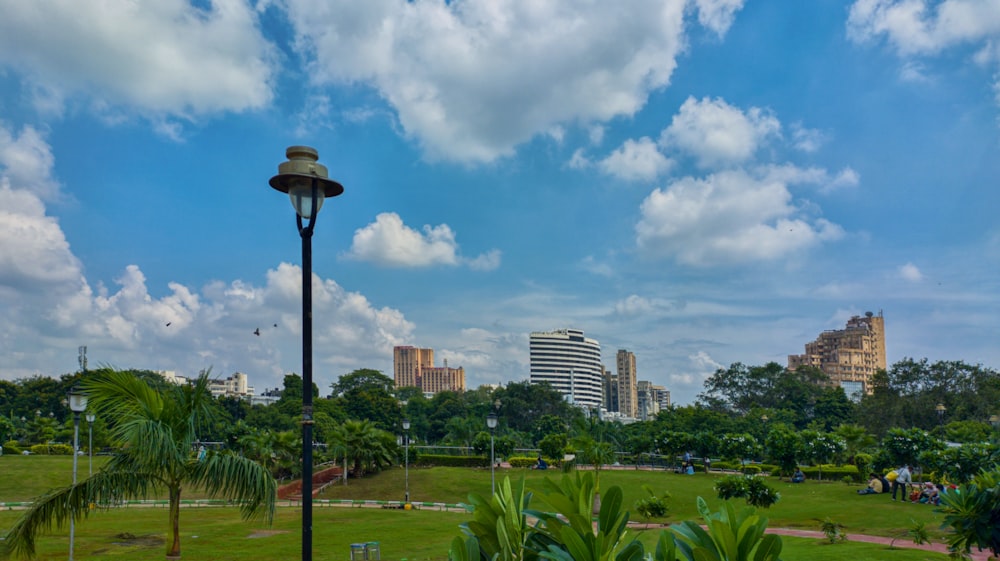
366,394
154,430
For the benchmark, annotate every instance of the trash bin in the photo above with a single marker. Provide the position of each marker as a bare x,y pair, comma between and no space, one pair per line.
358,552
372,552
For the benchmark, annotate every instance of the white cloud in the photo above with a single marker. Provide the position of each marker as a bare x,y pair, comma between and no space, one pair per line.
26,161
636,160
34,253
847,177
633,305
472,80
158,58
911,273
595,267
488,261
807,140
718,15
917,27
718,134
50,308
727,217
579,160
391,243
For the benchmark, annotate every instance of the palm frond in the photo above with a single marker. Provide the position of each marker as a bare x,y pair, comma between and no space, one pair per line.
238,479
102,490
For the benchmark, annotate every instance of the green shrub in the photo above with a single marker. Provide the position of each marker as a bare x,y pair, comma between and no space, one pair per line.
527,462
834,530
751,470
864,463
52,449
653,506
754,489
452,461
12,447
830,471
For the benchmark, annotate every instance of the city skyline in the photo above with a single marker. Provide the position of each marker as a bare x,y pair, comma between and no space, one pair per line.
699,182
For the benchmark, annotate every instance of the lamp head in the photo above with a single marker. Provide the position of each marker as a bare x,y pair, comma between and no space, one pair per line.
297,176
77,400
406,424
491,421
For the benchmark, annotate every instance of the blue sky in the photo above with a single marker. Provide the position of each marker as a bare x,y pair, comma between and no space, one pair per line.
701,182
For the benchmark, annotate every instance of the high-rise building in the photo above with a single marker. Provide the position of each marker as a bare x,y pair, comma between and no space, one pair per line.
628,404
415,367
849,356
570,363
610,391
442,378
407,364
662,397
647,405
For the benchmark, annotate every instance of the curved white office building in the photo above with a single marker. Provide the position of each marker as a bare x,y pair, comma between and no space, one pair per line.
570,363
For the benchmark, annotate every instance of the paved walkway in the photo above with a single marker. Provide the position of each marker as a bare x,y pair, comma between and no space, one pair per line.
901,543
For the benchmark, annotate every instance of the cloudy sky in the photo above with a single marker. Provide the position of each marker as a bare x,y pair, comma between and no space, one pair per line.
701,182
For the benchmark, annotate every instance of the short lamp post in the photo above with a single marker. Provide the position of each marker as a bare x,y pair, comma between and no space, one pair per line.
406,459
77,404
305,181
940,412
90,443
995,421
491,422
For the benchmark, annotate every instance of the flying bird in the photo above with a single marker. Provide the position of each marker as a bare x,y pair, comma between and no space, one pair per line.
276,325
256,332
168,324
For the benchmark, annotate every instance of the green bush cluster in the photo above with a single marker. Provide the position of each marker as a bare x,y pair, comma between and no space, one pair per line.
452,461
52,449
527,462
653,506
754,489
12,447
833,472
739,466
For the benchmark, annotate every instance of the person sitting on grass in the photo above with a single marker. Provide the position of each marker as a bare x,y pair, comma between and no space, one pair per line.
874,485
798,476
540,464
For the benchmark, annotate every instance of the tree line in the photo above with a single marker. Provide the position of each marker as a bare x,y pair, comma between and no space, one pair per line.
739,409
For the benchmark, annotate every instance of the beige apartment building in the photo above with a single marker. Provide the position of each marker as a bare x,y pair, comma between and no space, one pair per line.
412,366
628,400
849,356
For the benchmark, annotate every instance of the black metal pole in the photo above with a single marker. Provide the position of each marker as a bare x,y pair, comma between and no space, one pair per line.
76,444
307,383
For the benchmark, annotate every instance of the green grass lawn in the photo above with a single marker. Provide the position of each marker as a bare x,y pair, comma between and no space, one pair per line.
218,533
801,506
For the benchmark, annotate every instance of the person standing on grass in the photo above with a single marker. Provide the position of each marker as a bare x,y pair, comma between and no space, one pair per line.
902,481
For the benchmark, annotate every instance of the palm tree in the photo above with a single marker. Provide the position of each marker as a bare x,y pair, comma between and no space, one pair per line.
364,445
154,430
462,431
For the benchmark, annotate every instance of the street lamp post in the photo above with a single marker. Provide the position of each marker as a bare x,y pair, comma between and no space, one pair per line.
90,443
491,422
940,412
77,404
406,457
305,181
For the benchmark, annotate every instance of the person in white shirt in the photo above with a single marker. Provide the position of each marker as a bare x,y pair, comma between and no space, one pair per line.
902,481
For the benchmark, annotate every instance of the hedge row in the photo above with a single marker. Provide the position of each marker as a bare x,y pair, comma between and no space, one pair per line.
528,461
430,460
52,449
